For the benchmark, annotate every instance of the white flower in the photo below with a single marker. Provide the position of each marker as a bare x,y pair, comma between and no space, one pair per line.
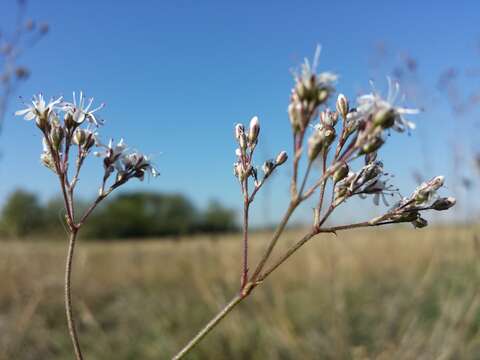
428,190
112,154
373,103
326,79
139,164
80,112
38,108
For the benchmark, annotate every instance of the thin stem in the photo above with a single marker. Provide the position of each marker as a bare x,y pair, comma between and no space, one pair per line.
207,328
322,189
68,297
274,239
313,233
289,252
304,182
246,205
91,208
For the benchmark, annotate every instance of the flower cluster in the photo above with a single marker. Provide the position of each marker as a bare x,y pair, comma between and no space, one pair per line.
310,91
369,180
75,124
362,134
247,140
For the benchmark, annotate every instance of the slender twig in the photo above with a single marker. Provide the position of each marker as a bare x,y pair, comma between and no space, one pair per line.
246,205
322,188
68,297
304,182
205,330
273,241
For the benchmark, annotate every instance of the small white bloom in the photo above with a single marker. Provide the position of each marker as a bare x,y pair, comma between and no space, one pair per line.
81,112
39,107
372,103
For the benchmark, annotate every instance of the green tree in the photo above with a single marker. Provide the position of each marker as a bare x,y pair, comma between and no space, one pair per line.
143,214
22,214
217,218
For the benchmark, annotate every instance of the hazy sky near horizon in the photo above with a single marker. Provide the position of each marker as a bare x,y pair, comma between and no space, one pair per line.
177,75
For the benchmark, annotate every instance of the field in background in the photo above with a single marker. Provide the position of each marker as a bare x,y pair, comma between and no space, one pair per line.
389,294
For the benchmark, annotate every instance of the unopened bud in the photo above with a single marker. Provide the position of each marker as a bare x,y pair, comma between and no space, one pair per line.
372,145
341,173
56,135
329,136
322,95
268,167
42,121
47,160
384,118
407,216
444,203
22,72
70,123
253,131
238,171
419,222
79,137
342,105
239,130
329,118
315,145
281,158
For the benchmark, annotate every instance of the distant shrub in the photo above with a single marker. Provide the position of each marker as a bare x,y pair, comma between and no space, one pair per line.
22,214
218,219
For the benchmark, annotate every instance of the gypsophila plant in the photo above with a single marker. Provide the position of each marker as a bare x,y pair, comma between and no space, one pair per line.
334,139
69,135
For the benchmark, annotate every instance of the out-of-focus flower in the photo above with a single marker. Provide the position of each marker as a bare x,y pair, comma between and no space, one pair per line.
138,165
427,191
310,91
112,155
384,111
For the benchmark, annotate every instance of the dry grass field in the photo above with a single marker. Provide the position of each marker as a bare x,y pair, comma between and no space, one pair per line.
382,294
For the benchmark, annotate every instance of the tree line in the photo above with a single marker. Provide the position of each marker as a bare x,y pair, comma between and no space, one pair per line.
128,215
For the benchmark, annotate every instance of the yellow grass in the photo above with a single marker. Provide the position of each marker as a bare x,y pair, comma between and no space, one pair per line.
389,294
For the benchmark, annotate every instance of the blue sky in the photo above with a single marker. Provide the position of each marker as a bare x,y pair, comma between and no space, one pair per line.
177,75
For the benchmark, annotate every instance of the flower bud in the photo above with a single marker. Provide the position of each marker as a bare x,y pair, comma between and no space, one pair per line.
90,141
56,135
254,130
238,171
322,95
372,145
384,118
419,222
47,160
315,145
268,167
70,123
407,216
281,158
341,173
329,118
239,131
342,105
444,203
329,136
42,121
79,137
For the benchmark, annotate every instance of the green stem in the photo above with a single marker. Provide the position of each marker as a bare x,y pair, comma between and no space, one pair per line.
207,328
68,297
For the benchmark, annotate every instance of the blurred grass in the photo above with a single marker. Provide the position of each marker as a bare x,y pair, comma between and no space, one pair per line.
383,294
